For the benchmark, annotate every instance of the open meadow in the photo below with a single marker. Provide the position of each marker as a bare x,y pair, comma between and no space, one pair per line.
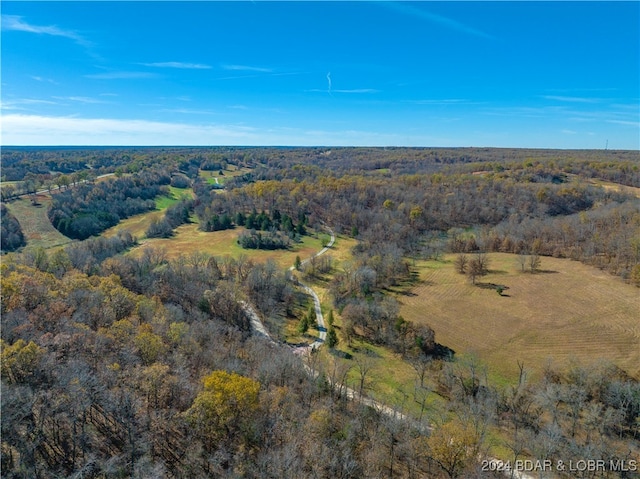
568,311
137,225
38,230
188,239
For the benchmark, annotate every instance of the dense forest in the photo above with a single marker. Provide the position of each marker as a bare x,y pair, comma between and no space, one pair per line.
146,368
87,210
11,235
123,365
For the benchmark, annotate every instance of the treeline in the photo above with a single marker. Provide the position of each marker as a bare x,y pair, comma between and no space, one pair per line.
87,210
615,165
271,229
175,215
607,237
411,214
19,164
270,240
11,235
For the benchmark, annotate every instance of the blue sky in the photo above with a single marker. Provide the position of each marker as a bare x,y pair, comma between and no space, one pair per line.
503,74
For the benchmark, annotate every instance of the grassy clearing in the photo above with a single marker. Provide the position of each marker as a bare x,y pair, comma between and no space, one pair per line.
211,176
568,312
35,223
188,238
175,195
607,185
137,225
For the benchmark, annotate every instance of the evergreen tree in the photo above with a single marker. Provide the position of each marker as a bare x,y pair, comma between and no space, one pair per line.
332,337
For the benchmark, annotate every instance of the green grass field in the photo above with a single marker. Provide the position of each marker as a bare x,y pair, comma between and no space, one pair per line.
568,312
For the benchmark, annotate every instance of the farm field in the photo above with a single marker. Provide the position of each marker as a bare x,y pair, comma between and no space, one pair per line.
569,311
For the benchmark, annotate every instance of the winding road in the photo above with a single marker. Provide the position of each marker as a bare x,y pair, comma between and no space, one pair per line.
322,330
351,394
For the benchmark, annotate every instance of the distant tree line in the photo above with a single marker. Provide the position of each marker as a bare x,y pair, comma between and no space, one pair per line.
410,214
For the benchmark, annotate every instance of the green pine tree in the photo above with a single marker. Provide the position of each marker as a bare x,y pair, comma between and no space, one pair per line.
303,325
332,337
330,317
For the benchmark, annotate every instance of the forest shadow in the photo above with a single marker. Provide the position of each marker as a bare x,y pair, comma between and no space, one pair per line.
364,350
492,286
442,352
497,271
405,293
340,354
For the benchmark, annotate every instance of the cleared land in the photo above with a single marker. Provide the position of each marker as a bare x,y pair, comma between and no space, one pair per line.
568,312
35,223
211,175
188,238
137,225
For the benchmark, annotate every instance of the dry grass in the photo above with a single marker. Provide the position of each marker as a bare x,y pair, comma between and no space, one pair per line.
232,171
607,185
35,224
188,238
138,225
570,312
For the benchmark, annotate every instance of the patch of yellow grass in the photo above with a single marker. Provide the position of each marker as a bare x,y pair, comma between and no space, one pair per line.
136,225
607,185
569,312
35,223
188,238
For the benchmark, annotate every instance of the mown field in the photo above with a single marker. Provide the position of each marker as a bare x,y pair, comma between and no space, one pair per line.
35,224
568,312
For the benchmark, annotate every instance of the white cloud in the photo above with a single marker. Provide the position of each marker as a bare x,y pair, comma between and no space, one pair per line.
357,90
123,75
187,66
246,68
571,99
20,129
444,101
15,23
21,103
81,99
51,131
188,111
624,122
434,18
40,79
